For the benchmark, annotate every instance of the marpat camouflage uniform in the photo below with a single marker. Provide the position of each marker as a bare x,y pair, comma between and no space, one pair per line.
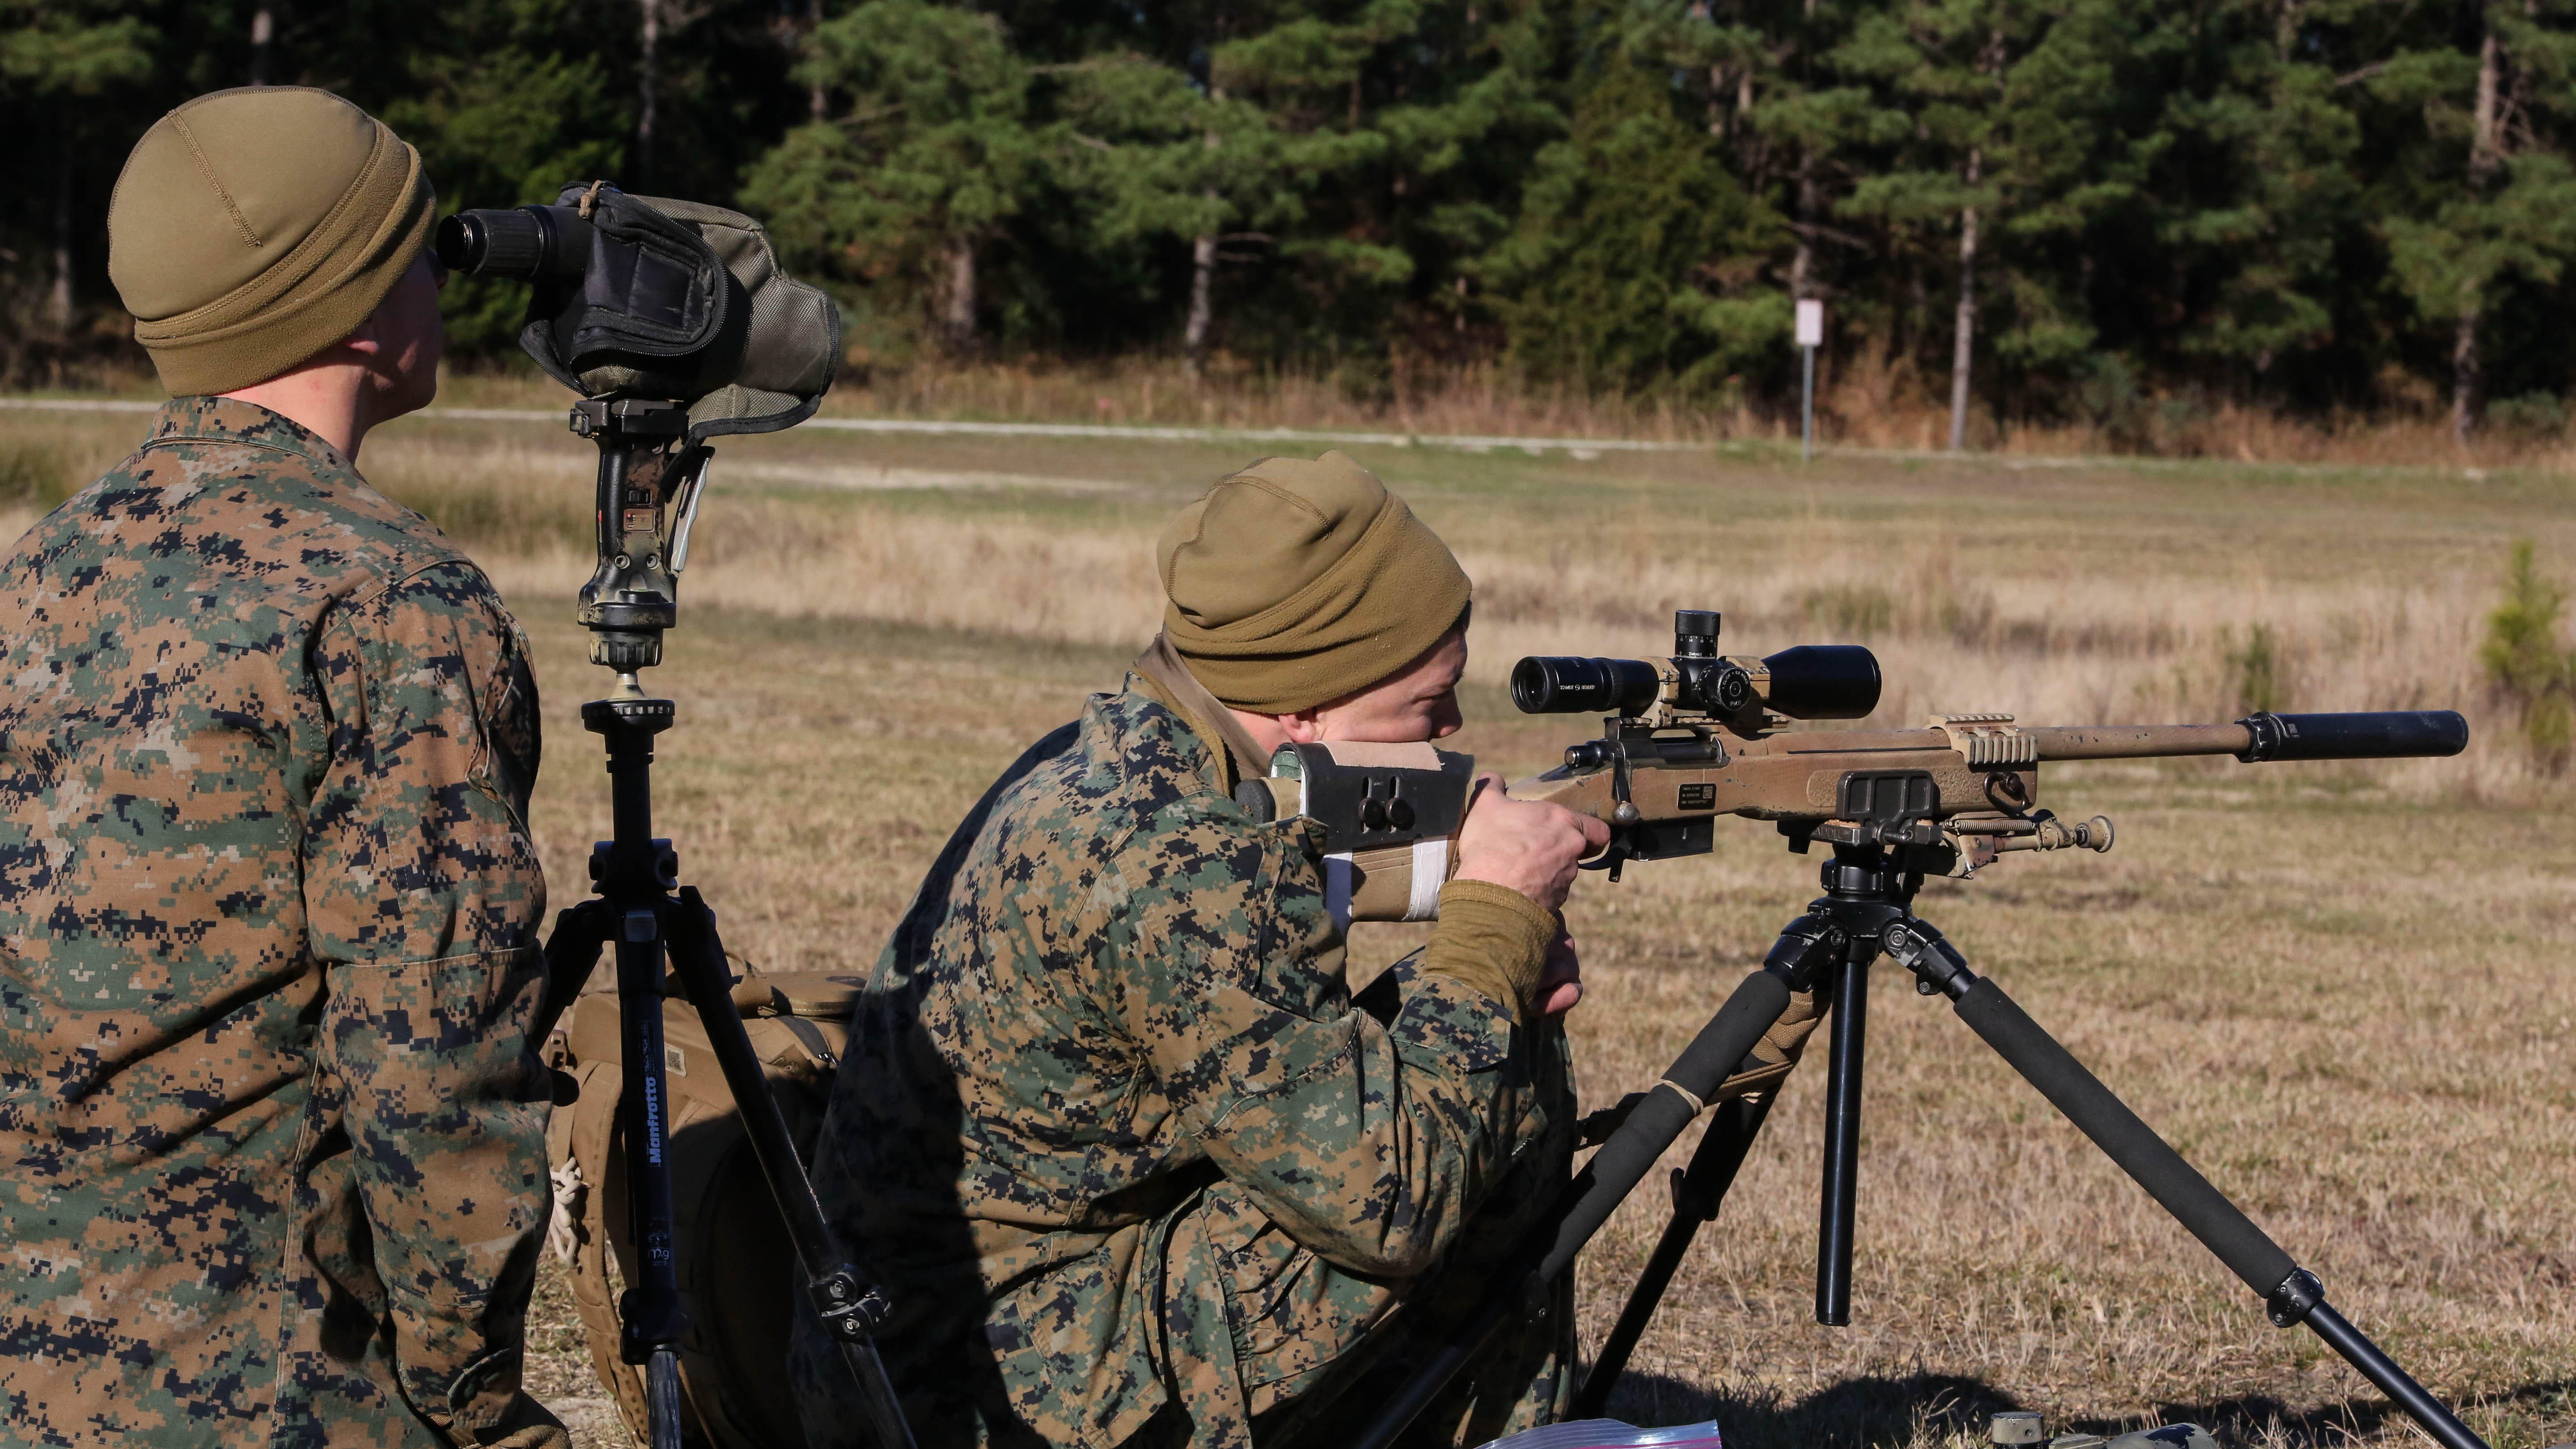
1132,1161
268,910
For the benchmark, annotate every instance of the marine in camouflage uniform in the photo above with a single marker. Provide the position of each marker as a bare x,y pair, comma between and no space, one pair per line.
1132,1160
268,906
268,952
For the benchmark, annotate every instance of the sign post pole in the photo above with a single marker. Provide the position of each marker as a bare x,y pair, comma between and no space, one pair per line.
1811,335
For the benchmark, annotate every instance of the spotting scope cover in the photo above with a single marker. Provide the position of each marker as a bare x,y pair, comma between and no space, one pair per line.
647,297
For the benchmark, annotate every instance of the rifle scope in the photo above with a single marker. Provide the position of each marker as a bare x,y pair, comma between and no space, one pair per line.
522,243
1811,681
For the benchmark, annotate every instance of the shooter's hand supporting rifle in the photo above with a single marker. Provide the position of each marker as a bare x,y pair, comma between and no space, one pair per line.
1532,847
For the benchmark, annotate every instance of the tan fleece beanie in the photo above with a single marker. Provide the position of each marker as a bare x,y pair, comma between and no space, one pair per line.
1292,583
252,228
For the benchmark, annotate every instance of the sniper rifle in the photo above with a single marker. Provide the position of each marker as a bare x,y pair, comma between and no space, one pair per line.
1695,736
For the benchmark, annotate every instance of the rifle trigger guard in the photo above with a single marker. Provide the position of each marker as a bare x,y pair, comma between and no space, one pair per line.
1623,815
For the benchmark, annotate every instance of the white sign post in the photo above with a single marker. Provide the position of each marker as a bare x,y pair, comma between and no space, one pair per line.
1811,335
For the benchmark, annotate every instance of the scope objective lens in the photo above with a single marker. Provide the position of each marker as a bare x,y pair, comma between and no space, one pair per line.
1823,681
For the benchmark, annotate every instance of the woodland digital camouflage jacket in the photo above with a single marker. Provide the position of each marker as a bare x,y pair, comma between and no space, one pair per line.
1120,1142
273,1140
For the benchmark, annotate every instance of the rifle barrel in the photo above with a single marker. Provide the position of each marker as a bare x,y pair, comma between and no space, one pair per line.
2137,742
2381,735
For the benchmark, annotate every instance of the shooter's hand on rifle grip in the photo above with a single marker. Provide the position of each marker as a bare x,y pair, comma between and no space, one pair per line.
1530,846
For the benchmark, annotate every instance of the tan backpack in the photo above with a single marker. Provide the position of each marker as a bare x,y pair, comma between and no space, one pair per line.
738,1276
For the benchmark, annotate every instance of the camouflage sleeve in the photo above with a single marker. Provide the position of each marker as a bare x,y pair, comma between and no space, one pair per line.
1368,1140
424,896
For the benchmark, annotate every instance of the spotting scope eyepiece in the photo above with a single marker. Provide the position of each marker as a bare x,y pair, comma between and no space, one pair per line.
521,243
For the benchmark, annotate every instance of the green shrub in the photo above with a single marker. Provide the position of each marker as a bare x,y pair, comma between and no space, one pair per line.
2256,672
2524,661
2533,415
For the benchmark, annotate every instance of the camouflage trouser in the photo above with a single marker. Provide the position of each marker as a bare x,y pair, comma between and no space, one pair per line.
1300,1353
1228,1334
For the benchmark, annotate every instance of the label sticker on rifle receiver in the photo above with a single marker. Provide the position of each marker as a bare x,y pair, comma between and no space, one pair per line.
1699,797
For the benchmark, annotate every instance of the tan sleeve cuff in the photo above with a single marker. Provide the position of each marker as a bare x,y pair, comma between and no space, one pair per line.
1492,938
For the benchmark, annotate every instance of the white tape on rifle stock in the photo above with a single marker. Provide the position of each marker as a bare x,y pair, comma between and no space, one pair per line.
1430,873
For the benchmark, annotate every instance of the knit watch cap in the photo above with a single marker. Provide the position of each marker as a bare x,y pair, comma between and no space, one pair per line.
1295,582
252,228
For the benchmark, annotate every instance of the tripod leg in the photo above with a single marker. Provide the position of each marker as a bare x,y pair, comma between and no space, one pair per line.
1838,1220
850,1307
572,952
1696,1195
649,1311
2291,1293
1604,1183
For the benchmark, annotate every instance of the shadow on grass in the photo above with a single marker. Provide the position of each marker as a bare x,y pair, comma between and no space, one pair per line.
1860,1413
1879,1413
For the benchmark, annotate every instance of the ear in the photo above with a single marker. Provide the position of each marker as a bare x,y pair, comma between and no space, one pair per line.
364,341
1302,728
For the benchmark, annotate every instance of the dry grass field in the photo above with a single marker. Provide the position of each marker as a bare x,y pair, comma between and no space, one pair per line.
2344,991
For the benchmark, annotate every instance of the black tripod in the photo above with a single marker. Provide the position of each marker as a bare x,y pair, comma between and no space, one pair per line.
1865,912
649,477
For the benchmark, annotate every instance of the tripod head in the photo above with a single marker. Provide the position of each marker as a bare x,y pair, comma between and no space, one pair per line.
652,475
676,324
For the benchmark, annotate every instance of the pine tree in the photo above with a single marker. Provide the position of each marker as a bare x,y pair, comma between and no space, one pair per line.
932,157
1156,154
505,124
2000,114
62,55
1635,261
1407,126
2504,203
2254,190
1941,70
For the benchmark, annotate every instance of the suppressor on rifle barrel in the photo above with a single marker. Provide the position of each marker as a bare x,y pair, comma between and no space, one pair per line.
2385,735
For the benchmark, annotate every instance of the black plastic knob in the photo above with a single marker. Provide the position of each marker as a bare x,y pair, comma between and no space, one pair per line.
1695,632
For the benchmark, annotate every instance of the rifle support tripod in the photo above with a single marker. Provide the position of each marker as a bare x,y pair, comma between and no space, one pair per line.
649,478
1865,913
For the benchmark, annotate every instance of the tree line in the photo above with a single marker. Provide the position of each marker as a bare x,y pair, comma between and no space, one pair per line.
2087,209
